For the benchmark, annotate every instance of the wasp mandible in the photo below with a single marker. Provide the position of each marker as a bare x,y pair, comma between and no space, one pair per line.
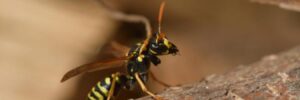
138,60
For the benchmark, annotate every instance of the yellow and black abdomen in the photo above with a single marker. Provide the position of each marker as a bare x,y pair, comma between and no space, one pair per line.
102,88
100,91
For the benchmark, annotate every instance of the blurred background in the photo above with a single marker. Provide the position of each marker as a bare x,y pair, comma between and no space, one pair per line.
40,40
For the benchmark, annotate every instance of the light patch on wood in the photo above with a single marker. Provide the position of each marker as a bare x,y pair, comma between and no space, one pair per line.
273,90
284,76
285,4
235,96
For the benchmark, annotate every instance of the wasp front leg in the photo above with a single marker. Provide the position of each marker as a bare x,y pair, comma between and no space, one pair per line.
144,88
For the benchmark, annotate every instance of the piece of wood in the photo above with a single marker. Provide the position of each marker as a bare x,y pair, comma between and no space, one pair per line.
275,77
286,4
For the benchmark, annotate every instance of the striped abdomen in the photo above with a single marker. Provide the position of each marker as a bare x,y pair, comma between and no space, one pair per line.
102,88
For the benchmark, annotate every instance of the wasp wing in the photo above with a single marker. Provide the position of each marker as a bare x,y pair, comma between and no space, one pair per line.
96,65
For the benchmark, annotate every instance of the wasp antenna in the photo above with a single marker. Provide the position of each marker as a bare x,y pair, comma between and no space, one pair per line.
161,12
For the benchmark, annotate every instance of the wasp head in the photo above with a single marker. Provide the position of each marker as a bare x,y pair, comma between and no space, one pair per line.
160,45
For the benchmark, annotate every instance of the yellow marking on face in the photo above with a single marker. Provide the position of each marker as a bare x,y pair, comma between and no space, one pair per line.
153,51
97,94
107,80
90,97
102,89
166,42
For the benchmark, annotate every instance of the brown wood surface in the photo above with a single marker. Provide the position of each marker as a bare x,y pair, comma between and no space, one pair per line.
275,77
286,4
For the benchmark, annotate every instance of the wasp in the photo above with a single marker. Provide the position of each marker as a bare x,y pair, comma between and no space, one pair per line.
138,60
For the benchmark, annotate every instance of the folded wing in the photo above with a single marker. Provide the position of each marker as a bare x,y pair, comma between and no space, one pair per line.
96,65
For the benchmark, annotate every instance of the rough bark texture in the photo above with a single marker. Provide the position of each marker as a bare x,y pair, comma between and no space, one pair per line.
286,4
275,77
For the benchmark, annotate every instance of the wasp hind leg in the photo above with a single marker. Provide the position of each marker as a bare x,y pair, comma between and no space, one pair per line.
144,88
113,85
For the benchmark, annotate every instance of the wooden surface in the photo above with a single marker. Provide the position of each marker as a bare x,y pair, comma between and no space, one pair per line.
275,77
286,4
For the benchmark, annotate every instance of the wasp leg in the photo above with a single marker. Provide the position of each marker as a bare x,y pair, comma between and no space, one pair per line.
113,85
157,80
144,88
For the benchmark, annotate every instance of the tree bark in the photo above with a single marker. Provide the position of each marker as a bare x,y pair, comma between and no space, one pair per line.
275,77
